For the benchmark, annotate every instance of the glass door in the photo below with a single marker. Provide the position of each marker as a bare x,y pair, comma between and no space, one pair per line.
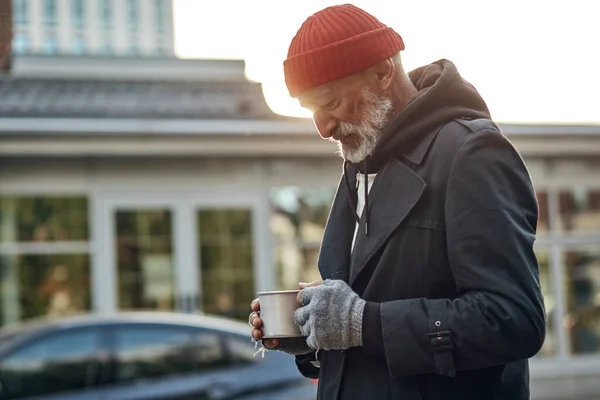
143,246
191,252
232,249
142,262
226,260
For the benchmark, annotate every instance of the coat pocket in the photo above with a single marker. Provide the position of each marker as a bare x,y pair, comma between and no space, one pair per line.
424,223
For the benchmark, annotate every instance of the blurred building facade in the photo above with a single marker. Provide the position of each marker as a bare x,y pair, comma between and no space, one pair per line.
93,27
130,179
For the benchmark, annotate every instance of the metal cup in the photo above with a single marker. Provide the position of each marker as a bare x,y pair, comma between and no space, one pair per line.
277,314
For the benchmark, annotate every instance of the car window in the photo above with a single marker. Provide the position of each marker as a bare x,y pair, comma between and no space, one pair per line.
241,350
151,351
61,362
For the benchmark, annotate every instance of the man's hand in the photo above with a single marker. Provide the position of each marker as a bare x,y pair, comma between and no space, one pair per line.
330,316
286,345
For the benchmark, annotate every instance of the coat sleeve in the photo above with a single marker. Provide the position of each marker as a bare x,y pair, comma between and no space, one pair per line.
499,317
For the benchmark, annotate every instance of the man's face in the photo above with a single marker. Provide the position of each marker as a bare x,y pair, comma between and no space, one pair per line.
351,115
357,140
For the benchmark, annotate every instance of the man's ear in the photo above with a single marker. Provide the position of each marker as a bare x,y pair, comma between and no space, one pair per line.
385,72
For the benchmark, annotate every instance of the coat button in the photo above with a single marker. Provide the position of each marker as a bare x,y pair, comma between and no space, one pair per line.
438,323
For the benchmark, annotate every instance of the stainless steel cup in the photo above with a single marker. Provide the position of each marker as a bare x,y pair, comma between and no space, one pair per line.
277,314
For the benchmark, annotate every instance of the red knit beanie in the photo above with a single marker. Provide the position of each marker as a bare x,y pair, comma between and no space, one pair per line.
334,43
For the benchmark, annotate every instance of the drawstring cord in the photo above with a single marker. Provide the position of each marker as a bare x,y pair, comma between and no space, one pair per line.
366,175
352,193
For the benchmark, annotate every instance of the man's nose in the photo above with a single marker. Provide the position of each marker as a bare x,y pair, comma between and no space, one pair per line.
325,125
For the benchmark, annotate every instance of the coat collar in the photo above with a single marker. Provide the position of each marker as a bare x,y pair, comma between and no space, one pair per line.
394,193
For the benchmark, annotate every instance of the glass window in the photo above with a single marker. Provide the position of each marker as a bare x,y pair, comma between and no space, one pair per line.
298,218
132,15
20,12
50,45
49,13
160,46
20,44
151,351
241,350
226,259
43,219
78,45
106,13
144,251
543,221
582,270
159,15
107,45
579,209
43,285
78,13
549,347
132,49
59,363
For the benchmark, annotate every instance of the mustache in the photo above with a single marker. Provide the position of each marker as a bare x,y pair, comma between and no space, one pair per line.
344,130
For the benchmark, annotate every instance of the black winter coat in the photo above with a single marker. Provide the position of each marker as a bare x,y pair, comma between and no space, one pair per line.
449,258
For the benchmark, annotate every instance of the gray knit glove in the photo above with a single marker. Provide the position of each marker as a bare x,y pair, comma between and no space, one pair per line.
331,316
295,346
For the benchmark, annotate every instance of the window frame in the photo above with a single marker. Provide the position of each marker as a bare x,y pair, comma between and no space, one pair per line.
558,241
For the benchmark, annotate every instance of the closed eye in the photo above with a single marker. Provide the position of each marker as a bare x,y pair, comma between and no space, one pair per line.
331,104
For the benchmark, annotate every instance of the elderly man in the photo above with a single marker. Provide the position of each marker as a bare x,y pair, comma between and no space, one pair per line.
430,285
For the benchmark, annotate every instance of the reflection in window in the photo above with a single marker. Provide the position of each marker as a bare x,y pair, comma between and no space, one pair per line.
298,218
21,43
106,14
43,219
49,13
549,347
132,15
543,220
50,44
241,351
132,49
78,14
582,269
580,209
226,259
20,12
160,46
43,285
107,45
145,259
55,364
151,351
159,15
78,45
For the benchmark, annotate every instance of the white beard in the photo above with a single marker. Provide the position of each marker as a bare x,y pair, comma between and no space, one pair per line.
375,118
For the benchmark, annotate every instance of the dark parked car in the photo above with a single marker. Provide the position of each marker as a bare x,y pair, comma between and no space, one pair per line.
143,355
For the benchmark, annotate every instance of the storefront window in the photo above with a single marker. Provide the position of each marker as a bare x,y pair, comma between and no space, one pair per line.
43,285
582,270
298,218
543,257
44,257
226,261
579,209
43,219
543,220
144,248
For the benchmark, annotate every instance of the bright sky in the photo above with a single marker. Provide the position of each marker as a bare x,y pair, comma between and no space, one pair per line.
533,61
